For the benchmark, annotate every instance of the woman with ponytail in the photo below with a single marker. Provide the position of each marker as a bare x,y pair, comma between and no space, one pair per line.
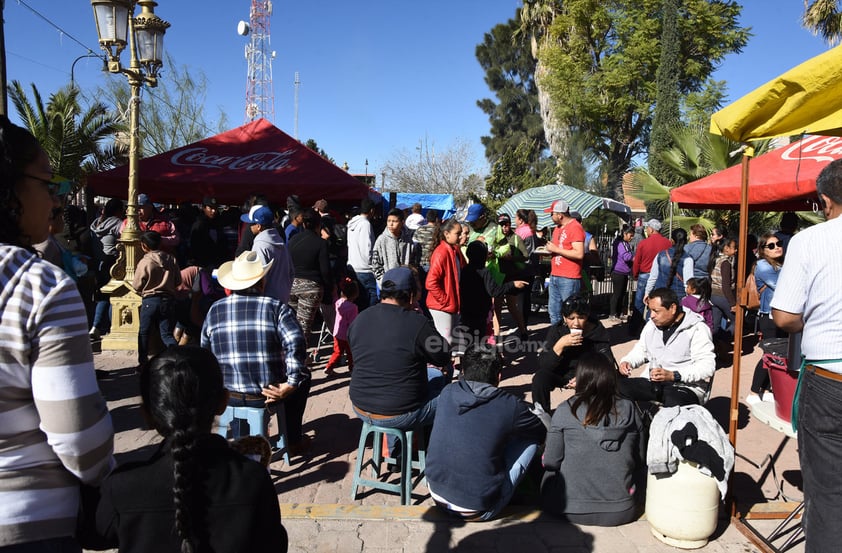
672,268
195,494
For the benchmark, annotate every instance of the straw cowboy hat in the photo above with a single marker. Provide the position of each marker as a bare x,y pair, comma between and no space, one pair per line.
244,272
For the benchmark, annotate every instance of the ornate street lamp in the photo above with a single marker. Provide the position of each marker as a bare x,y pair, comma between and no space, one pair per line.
117,28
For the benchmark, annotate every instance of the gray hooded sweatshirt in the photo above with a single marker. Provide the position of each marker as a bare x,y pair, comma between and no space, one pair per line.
269,245
594,469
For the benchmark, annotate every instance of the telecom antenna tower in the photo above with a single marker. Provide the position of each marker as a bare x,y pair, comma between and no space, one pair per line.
260,95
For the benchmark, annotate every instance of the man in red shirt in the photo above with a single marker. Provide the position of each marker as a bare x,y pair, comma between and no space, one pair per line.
645,253
568,249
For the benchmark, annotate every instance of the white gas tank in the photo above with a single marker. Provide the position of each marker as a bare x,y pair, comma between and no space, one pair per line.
682,508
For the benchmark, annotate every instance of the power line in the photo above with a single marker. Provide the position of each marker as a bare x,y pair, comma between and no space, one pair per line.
55,26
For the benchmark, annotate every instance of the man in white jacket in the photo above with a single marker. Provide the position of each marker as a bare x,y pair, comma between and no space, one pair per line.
360,244
677,344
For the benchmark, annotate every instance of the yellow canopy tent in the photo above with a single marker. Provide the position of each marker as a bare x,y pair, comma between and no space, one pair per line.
807,99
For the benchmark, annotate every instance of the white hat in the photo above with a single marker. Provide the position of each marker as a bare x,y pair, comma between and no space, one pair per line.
244,272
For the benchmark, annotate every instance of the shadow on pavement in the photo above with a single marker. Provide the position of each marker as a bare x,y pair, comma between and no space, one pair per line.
536,536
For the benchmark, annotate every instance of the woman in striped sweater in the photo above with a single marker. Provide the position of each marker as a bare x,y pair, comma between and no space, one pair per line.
55,430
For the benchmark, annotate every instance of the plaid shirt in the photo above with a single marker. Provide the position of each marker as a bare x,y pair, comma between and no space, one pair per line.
257,341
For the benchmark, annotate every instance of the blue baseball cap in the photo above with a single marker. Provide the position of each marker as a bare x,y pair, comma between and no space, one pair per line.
399,278
474,212
259,214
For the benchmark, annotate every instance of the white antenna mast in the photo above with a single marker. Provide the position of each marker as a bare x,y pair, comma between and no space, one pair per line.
295,124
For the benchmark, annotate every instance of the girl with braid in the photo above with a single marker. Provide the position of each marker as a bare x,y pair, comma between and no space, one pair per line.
195,494
672,268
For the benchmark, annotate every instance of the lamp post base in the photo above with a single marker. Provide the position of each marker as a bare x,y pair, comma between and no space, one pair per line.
125,317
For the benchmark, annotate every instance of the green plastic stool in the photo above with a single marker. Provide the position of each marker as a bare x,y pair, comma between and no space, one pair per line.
404,487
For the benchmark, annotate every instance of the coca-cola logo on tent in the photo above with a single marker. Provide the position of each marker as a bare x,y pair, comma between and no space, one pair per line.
818,148
260,161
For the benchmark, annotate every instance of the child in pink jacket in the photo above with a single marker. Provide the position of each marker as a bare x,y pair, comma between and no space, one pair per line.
346,312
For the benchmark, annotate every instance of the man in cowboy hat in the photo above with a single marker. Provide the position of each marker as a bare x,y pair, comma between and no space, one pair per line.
259,345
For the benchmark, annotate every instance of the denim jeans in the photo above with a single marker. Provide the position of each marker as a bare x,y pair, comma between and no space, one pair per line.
518,456
158,310
370,285
418,418
102,316
820,449
642,279
561,288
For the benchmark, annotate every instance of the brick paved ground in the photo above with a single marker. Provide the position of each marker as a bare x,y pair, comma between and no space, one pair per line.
320,515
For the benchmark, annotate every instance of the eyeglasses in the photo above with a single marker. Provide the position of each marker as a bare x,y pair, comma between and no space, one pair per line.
51,186
773,245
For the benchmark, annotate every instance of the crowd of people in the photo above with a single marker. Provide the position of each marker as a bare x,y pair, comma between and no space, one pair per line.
415,309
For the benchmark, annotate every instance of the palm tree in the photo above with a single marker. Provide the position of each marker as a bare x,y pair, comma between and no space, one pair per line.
695,154
823,17
77,142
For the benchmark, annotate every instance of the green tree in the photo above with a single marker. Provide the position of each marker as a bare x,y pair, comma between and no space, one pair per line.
667,99
311,143
515,117
823,18
172,114
514,172
79,141
603,57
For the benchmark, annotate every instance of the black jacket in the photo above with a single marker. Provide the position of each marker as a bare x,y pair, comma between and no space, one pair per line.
136,510
474,423
391,347
595,338
476,288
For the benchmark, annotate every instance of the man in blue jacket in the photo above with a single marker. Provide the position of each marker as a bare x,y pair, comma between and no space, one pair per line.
482,441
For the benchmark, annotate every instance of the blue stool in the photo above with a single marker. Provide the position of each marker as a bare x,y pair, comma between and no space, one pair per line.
404,487
258,420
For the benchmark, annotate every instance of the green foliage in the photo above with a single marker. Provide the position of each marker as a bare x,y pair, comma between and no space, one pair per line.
667,98
695,154
311,143
79,141
824,18
514,172
173,114
603,58
515,117
699,106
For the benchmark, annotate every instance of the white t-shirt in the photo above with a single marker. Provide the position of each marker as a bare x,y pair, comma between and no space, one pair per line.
414,221
809,284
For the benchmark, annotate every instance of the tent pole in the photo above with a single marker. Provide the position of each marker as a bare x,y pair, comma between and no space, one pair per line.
742,259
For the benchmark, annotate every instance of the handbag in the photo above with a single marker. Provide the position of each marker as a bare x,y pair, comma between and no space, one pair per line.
752,293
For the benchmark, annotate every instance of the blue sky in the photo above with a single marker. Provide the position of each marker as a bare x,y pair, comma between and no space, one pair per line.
376,77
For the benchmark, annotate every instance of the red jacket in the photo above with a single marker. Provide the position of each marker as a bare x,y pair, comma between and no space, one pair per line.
646,252
446,263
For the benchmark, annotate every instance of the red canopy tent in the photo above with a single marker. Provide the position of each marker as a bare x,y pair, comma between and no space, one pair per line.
781,180
255,158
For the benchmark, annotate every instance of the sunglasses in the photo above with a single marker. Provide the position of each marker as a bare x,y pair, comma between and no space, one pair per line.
773,245
579,305
51,186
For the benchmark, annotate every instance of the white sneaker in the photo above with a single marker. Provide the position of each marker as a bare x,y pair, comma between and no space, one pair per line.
751,399
769,396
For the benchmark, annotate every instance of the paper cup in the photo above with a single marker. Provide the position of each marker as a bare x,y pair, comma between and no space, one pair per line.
575,331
